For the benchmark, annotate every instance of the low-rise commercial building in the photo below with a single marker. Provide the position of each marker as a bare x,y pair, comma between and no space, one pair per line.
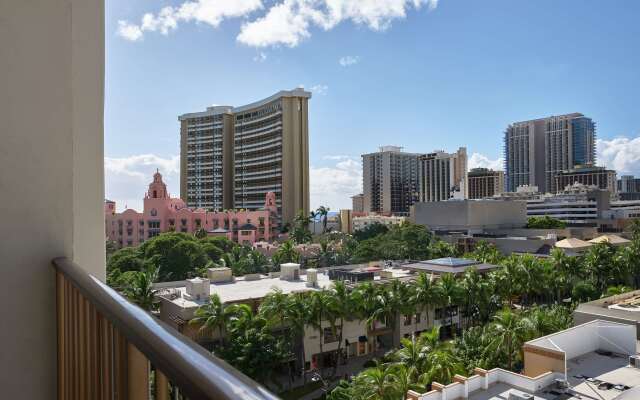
360,223
623,308
449,265
180,300
469,216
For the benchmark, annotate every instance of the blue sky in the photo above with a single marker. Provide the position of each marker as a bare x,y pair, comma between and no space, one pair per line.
422,74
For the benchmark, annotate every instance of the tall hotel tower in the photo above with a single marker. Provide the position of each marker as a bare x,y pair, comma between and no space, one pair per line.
443,176
390,180
230,157
537,150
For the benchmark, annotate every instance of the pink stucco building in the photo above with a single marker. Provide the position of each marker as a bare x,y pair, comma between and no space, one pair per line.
162,213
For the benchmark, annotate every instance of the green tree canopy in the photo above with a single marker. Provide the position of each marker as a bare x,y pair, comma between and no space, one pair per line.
545,222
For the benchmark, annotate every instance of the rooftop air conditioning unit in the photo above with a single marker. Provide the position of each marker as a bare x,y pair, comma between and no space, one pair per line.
634,361
516,395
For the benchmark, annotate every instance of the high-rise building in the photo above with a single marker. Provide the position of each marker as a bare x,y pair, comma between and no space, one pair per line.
390,180
628,184
443,175
231,157
357,203
587,175
483,183
628,187
536,150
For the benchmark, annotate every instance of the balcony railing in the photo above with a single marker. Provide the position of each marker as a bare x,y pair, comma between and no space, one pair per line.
108,348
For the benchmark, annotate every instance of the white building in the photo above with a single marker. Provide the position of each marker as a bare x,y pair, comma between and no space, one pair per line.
359,223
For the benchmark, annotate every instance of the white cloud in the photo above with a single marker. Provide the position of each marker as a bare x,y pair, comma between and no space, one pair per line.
211,12
284,23
319,89
129,31
288,22
337,157
260,57
348,61
126,178
621,154
478,160
334,185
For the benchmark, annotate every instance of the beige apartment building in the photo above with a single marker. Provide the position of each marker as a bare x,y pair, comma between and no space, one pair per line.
389,180
484,183
443,176
357,203
231,157
587,175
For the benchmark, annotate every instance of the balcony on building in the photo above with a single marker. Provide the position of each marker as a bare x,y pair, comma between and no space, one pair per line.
67,334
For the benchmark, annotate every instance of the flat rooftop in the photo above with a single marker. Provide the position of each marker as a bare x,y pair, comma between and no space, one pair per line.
597,366
592,376
625,306
501,391
601,376
244,290
449,265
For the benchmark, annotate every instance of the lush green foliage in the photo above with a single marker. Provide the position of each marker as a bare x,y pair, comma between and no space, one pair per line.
545,222
370,231
179,256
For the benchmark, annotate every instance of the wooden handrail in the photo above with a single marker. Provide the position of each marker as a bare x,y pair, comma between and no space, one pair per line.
197,373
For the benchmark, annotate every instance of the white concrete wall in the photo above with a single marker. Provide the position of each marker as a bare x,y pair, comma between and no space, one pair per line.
433,395
617,338
577,341
454,390
592,336
474,382
51,174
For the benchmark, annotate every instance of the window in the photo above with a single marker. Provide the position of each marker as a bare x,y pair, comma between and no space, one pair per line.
329,337
418,318
407,319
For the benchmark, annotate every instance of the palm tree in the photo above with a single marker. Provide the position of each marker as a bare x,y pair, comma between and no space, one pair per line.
140,290
342,307
412,354
212,315
323,212
450,293
321,309
425,293
286,253
508,278
301,223
402,379
365,297
443,365
241,318
273,307
509,334
378,380
297,314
